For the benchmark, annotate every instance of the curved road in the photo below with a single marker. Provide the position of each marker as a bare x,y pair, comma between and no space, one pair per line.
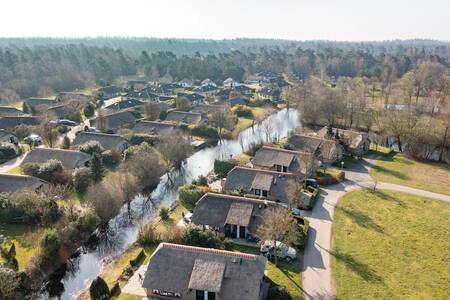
316,271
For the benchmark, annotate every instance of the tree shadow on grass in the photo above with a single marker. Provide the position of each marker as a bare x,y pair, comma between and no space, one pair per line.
362,219
380,194
383,170
285,268
361,269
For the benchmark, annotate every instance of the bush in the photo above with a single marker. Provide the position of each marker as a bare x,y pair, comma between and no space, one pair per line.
92,147
138,259
82,178
89,110
88,221
137,139
108,159
253,147
31,169
205,131
63,129
222,167
201,180
49,170
50,244
115,290
66,143
340,177
99,289
190,194
196,236
278,293
7,151
242,111
164,213
228,245
147,235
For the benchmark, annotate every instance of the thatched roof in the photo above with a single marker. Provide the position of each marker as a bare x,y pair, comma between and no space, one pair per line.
153,127
183,269
9,111
270,156
184,117
70,159
11,183
11,122
216,210
353,139
33,102
117,120
248,179
207,275
108,141
305,143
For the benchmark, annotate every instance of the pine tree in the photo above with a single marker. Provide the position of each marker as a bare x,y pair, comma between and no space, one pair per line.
96,166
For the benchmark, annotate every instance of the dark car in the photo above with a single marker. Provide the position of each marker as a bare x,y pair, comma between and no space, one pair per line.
67,122
311,182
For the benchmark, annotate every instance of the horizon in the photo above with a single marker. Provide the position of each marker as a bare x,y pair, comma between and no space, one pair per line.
303,20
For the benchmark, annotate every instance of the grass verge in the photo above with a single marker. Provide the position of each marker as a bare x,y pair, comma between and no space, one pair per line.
390,245
396,168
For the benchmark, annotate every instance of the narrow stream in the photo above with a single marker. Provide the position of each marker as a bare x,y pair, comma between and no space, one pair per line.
83,269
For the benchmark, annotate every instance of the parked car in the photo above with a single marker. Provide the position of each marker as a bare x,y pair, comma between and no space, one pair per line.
283,251
311,182
295,211
67,122
33,139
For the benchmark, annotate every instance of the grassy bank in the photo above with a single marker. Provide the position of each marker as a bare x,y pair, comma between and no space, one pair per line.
396,168
390,245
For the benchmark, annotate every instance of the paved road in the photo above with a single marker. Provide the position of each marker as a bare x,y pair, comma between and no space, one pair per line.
11,164
317,282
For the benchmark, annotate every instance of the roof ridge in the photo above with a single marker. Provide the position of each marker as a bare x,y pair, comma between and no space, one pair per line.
263,171
208,251
282,150
57,149
100,133
233,197
185,112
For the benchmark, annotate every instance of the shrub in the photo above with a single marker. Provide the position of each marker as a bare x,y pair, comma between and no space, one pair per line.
196,236
88,221
96,167
253,147
7,151
66,143
228,245
82,178
108,159
92,147
89,110
222,167
115,290
137,139
174,235
50,170
205,131
63,129
75,116
99,289
278,293
201,180
164,213
243,111
190,194
50,244
340,177
135,262
31,169
147,235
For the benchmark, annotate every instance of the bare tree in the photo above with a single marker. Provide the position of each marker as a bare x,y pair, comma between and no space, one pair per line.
152,110
174,149
183,103
294,193
100,120
222,119
279,225
49,134
104,202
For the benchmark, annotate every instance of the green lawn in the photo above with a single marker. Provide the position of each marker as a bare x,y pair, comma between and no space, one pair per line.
391,245
396,168
26,238
285,274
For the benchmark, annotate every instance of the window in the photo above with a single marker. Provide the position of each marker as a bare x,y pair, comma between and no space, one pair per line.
257,192
211,296
205,295
279,168
285,169
264,193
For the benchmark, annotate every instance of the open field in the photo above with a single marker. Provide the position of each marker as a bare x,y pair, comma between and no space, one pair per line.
396,168
285,274
390,245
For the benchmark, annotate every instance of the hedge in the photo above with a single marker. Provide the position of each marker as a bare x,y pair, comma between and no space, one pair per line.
222,167
205,131
138,259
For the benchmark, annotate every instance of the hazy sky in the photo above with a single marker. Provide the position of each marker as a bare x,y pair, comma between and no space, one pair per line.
286,19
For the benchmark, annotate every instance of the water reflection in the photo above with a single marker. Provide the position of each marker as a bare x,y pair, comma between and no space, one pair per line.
124,227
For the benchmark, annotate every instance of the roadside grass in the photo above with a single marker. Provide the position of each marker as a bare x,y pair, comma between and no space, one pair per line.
390,245
26,238
396,168
285,274
16,170
329,172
